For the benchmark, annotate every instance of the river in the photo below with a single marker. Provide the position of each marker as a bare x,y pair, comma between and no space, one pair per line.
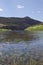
21,48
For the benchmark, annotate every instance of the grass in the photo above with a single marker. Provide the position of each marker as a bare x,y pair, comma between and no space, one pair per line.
2,30
35,28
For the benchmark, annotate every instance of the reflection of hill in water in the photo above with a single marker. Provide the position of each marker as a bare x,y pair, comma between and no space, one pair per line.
16,36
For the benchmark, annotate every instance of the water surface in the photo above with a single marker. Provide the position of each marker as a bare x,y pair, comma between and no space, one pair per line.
21,48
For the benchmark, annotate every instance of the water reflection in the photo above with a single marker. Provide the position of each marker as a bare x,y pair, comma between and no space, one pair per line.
15,36
21,48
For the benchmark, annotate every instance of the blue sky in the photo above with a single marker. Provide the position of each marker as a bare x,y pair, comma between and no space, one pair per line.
22,8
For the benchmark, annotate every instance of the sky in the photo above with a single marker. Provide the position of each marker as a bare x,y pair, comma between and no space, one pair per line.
22,8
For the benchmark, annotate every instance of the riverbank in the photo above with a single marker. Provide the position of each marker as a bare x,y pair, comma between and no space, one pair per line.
35,28
4,30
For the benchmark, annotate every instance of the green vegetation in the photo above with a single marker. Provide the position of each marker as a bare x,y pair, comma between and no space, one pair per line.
2,30
35,28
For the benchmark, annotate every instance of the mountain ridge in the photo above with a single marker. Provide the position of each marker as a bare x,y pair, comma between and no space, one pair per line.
16,23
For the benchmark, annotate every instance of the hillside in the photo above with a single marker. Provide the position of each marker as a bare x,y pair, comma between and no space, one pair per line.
15,23
35,28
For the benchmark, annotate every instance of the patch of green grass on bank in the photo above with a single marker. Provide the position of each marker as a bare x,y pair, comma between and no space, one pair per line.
2,30
35,28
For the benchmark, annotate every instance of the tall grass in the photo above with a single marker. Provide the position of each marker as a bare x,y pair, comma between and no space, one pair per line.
35,28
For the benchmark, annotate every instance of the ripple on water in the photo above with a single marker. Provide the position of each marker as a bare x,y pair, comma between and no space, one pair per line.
23,49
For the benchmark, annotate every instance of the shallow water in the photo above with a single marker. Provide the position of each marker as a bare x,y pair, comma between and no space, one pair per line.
21,48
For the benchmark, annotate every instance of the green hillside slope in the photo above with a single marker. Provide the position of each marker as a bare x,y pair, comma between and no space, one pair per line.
35,28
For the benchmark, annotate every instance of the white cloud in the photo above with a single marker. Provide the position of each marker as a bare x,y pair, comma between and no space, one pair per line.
1,9
20,6
38,11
